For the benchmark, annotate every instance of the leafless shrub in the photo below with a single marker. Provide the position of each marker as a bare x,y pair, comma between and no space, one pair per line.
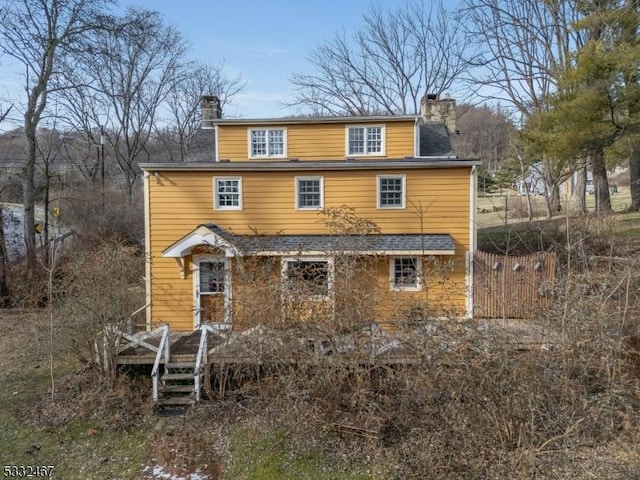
83,394
100,289
461,399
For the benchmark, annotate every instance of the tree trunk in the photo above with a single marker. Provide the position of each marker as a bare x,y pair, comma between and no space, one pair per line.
634,177
4,286
581,190
29,194
600,181
552,196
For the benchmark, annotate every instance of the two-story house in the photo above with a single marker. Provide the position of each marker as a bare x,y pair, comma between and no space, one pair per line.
305,219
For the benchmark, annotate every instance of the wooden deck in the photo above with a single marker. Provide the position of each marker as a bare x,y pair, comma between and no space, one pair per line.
260,346
183,346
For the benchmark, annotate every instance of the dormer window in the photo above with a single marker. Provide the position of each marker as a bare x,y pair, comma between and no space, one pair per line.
365,140
267,142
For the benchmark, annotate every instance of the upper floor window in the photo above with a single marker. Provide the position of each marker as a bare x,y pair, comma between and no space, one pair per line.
267,142
365,140
309,193
391,191
227,193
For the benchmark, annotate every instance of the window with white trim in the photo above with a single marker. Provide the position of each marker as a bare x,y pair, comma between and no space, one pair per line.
309,193
365,140
391,191
267,142
227,193
308,277
212,277
405,273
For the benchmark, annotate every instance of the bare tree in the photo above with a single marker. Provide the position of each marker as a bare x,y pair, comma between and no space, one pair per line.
395,59
126,81
522,48
183,103
35,33
4,113
485,132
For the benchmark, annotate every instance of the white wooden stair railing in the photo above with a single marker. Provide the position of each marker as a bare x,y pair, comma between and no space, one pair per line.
162,348
201,361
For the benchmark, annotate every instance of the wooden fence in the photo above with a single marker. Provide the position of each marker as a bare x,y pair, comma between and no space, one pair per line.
512,286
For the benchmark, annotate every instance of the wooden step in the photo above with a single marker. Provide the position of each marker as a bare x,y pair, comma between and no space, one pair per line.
180,365
168,389
182,400
177,377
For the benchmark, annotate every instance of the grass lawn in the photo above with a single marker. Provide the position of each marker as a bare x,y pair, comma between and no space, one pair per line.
79,449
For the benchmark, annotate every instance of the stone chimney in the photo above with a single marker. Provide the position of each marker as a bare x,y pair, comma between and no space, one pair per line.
436,110
211,110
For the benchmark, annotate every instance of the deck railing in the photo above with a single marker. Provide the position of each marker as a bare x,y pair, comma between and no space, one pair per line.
162,348
130,319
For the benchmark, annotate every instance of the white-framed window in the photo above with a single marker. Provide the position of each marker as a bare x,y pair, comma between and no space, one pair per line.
267,142
308,277
391,191
212,276
405,273
367,140
227,193
309,193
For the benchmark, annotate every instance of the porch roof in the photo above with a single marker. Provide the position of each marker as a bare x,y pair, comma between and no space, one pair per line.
294,245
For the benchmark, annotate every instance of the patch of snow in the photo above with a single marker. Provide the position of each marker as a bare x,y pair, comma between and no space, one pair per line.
157,472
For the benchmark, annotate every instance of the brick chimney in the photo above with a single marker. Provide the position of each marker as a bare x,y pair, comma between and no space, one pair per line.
211,110
434,109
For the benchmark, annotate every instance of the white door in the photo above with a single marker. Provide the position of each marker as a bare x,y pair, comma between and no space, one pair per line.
212,288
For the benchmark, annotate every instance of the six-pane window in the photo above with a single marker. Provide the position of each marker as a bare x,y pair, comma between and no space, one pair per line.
309,192
365,141
391,191
405,273
267,143
228,193
308,277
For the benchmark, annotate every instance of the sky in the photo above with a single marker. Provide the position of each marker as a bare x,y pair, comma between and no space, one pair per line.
265,42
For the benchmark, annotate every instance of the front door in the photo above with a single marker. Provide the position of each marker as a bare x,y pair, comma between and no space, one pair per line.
212,290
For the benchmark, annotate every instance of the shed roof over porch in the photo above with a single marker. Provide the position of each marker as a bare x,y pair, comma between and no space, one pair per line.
294,245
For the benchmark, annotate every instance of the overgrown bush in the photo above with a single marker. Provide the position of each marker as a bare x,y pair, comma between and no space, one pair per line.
99,289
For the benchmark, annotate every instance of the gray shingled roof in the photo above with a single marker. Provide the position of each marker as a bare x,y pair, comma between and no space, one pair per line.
202,148
434,140
388,243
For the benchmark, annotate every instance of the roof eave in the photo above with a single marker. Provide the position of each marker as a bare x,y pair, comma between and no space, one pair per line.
312,120
417,163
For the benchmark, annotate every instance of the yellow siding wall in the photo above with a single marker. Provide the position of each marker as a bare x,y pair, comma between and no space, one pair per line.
181,200
316,142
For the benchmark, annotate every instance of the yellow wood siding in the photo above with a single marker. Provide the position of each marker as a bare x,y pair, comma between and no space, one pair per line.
316,142
181,200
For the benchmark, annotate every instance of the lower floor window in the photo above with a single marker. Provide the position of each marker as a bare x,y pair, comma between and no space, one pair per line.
405,273
307,277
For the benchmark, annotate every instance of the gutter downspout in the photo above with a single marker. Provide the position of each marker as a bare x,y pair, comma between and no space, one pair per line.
473,182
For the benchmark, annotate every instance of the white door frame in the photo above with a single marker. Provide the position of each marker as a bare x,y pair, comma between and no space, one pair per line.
197,259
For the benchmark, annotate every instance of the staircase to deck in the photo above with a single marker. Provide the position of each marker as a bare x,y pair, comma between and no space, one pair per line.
180,362
178,384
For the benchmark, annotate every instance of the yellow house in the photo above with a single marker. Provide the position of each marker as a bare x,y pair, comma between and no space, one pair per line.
342,221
